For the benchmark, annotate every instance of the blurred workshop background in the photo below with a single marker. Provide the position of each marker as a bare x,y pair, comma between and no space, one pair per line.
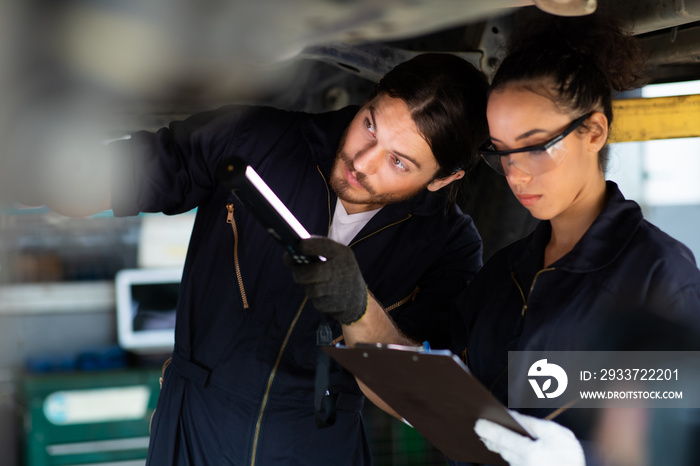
78,373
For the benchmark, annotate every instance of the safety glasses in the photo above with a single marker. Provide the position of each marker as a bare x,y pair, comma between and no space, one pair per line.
533,160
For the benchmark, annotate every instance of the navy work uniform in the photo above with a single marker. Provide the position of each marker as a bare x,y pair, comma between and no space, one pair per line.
240,387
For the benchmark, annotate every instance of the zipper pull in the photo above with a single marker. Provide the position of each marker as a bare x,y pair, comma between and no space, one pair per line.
229,216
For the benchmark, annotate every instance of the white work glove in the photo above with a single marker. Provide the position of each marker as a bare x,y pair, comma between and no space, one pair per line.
555,444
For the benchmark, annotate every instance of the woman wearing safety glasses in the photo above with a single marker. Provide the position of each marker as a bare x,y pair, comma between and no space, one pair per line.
549,114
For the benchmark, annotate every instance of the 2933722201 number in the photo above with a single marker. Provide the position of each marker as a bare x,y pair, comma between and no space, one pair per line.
639,374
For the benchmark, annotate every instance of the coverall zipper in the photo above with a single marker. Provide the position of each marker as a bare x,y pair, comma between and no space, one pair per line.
377,231
521,319
408,298
239,276
330,219
404,300
160,381
560,410
532,287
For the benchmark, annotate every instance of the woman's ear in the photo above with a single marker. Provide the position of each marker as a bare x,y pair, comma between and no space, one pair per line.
597,125
442,182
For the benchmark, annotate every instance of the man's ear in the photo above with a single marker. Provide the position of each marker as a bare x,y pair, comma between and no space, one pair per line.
598,131
442,182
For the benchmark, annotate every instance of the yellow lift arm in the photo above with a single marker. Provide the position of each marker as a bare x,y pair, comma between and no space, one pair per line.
656,118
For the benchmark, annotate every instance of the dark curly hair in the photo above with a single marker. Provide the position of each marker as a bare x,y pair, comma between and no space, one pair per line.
577,61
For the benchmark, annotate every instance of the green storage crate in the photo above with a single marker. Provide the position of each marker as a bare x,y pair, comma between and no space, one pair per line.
88,418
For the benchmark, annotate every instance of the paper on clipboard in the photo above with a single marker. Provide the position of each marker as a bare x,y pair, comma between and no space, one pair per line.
434,391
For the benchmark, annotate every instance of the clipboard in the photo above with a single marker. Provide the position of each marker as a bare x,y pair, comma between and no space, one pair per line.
434,391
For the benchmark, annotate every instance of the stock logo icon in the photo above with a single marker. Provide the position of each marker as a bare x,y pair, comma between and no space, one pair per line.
544,371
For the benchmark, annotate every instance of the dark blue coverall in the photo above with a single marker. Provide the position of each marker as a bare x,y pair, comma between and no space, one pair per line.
622,263
240,388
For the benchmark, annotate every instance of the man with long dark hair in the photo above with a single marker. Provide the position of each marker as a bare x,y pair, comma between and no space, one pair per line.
374,180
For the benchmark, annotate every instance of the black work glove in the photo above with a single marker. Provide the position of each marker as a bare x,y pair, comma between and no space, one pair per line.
335,285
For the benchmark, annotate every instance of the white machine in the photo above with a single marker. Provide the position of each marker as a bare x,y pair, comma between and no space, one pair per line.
146,301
